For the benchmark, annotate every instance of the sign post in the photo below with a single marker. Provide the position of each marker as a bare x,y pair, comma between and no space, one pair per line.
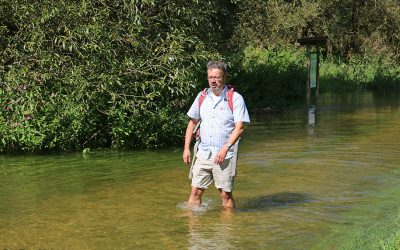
312,63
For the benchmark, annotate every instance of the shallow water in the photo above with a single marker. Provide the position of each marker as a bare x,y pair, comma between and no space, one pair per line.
306,179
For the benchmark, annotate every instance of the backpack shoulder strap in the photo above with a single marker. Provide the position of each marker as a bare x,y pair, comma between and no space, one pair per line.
202,97
229,96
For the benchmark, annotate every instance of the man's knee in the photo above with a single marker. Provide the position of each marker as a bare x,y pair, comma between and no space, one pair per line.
226,195
197,192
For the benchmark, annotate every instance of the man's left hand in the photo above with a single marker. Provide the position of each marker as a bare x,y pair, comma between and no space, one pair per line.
220,157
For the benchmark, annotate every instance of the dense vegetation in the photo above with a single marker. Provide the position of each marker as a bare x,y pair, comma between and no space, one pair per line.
120,74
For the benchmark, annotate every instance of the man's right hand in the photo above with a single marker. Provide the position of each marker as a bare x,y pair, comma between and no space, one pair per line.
186,156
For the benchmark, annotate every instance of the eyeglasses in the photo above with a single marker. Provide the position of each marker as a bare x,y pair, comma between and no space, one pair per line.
214,77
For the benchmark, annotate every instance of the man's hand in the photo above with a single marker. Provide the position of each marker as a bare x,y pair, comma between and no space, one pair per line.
188,138
186,156
220,157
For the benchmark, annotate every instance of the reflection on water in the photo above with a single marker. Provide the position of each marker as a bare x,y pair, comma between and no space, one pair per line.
304,177
215,234
312,120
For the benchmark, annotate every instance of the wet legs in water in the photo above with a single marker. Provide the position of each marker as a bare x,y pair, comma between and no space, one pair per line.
196,194
227,199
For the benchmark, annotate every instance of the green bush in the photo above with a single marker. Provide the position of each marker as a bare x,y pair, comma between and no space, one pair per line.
271,77
102,73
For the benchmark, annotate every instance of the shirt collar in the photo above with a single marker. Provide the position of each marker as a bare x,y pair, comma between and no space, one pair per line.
223,93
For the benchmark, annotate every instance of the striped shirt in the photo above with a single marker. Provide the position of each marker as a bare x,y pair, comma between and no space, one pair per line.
217,121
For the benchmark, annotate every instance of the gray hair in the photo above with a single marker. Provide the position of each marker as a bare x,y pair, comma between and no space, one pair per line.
217,65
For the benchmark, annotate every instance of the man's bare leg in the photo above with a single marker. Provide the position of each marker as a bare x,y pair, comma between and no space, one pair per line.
227,199
195,196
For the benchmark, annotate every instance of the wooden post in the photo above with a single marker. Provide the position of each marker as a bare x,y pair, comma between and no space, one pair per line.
317,87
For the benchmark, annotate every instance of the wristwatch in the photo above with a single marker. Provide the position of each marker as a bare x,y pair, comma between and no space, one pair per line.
229,145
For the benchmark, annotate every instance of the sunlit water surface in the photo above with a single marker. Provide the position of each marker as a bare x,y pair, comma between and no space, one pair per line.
306,178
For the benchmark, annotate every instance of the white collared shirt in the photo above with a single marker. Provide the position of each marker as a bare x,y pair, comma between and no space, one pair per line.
217,120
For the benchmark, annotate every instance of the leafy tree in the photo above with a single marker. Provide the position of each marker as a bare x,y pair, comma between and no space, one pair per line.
89,73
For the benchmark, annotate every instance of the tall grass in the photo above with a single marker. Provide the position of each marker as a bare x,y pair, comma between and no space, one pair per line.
368,71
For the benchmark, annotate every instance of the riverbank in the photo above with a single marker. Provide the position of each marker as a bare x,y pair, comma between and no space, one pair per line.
377,228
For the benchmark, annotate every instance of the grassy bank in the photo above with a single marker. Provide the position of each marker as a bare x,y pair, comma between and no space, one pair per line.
371,224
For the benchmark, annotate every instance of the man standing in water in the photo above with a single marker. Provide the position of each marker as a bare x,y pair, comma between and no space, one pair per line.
221,127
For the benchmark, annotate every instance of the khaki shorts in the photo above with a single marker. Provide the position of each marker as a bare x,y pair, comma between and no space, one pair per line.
205,171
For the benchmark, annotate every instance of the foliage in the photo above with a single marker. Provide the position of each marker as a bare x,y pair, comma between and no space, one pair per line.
355,27
81,74
363,48
351,26
274,23
98,73
271,77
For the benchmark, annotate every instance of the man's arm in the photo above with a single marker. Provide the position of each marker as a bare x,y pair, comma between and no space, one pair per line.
220,157
188,138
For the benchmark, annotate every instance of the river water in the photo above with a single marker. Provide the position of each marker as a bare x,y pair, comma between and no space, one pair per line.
310,178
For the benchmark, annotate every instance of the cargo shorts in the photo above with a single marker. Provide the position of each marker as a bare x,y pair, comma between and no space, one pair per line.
206,171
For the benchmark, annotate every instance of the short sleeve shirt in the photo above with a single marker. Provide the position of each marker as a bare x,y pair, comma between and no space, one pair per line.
217,120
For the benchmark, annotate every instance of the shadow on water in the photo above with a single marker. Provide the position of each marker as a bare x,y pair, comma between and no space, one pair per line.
273,201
